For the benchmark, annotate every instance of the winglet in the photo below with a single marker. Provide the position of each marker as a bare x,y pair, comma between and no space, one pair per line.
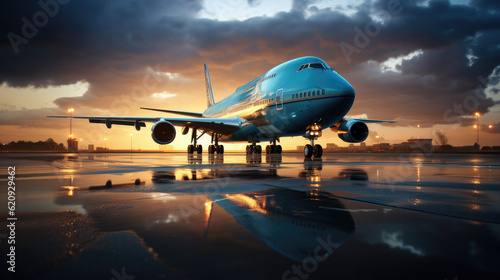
208,85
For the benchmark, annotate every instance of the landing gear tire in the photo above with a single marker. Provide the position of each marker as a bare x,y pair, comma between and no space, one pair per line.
258,149
318,151
273,149
199,149
220,150
190,149
278,149
308,151
249,150
211,149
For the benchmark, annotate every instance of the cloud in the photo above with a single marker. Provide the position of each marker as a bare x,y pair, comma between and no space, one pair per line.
253,3
117,46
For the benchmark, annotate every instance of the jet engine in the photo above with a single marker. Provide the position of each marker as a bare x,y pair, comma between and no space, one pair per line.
163,132
352,131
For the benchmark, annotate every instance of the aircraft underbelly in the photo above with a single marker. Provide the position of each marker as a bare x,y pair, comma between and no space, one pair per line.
270,130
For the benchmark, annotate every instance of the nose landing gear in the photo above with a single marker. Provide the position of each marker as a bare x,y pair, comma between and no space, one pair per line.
313,132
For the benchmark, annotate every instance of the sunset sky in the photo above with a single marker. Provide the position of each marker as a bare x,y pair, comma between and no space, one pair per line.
429,65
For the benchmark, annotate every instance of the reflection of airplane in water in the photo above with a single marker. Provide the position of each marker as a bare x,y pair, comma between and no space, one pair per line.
219,158
353,174
300,97
291,222
167,177
312,172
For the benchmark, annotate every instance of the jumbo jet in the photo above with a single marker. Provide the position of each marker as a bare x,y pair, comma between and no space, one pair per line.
300,97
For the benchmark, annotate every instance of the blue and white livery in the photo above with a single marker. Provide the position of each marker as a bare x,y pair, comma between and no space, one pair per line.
300,97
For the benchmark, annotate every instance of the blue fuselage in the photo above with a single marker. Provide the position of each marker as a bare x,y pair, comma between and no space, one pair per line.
285,100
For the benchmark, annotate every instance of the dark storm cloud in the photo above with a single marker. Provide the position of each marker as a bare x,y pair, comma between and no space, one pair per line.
112,44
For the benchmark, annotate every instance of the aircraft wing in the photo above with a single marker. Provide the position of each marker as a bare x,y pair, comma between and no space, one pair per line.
190,114
368,121
218,125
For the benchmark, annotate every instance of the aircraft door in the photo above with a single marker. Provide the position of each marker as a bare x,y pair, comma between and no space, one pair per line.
279,99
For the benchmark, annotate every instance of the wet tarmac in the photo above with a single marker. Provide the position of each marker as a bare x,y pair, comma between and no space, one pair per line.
174,216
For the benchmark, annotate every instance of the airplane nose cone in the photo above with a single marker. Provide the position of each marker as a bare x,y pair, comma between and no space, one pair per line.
348,89
339,86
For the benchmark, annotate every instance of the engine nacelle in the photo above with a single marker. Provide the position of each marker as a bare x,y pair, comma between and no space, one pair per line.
163,132
353,131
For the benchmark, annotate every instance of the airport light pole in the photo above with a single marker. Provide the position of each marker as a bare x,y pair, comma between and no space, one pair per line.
477,127
70,111
105,139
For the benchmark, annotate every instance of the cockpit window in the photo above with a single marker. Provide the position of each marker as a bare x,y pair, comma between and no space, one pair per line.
316,65
312,65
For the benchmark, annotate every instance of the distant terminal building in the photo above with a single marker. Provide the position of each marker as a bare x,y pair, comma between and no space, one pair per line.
90,148
362,146
382,147
72,145
332,147
421,144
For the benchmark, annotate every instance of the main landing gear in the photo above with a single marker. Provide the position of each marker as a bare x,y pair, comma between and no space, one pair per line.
312,133
254,149
273,148
270,149
199,148
193,147
215,148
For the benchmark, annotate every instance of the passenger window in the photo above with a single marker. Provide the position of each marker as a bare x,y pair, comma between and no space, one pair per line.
309,94
300,94
323,92
314,93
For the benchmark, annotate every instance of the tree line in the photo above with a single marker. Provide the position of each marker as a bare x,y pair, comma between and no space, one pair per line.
47,145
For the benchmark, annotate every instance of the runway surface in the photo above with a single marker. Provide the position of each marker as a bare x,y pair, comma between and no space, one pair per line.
174,216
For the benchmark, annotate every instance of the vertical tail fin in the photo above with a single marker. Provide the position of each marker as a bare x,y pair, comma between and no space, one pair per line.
208,85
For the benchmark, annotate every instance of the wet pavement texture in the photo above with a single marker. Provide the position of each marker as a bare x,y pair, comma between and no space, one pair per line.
237,216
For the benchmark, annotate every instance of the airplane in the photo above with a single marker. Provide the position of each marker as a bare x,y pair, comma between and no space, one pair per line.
300,97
